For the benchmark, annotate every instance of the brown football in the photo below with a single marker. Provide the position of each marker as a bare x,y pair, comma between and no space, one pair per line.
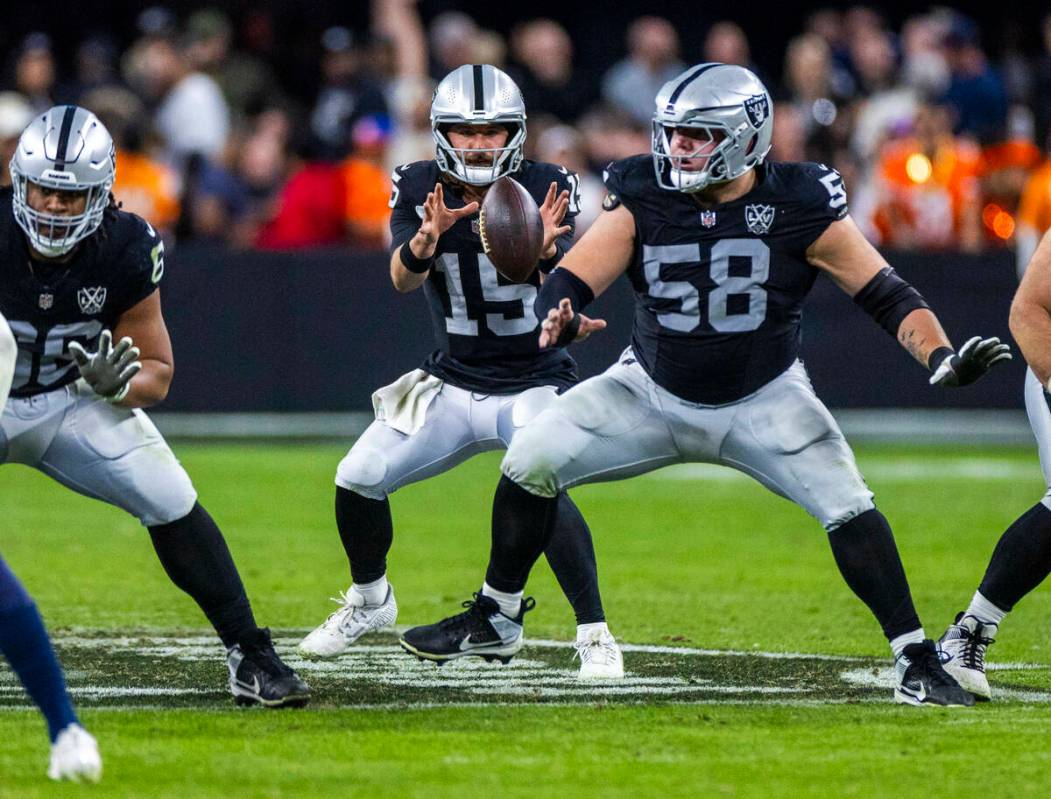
511,229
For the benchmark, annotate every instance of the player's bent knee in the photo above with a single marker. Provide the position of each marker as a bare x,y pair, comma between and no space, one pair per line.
837,517
168,504
531,468
364,471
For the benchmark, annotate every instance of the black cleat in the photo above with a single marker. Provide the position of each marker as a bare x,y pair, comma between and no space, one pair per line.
259,677
922,680
480,631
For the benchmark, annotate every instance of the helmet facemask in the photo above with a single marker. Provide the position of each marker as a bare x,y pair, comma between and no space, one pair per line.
456,161
715,142
54,235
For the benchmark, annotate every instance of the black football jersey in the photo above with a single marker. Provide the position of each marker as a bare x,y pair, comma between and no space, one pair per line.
48,305
484,324
719,291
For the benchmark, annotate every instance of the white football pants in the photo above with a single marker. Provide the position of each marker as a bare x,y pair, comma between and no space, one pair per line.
100,450
1036,406
620,424
458,425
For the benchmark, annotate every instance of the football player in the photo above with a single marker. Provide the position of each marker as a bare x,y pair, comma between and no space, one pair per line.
721,249
488,376
73,268
1022,557
24,642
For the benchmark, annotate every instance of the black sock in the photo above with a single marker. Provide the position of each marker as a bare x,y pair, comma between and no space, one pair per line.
522,526
1021,560
868,560
572,557
366,530
194,554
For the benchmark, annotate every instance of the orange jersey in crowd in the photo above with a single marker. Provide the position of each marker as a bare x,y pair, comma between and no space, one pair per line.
922,200
147,188
1034,210
368,196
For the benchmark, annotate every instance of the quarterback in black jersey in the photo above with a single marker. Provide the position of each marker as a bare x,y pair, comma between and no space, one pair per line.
721,249
73,268
487,378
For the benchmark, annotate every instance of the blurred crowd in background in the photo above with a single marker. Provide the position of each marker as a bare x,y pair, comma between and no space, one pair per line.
940,146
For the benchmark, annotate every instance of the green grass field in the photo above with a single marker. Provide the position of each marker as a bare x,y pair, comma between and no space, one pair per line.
753,670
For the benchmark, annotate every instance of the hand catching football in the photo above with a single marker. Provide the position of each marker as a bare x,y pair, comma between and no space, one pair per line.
512,229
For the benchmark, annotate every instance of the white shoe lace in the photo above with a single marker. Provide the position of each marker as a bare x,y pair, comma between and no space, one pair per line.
598,647
337,618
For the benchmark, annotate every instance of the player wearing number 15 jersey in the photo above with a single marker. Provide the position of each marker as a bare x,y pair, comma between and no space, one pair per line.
721,249
487,378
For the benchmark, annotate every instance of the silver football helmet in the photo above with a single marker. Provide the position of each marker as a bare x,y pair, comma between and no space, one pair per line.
727,104
475,94
65,148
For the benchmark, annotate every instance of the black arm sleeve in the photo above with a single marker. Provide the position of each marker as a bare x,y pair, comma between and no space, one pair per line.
560,284
888,299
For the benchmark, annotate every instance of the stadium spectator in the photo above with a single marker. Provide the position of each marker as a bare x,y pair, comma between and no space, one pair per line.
565,146
143,185
15,114
368,186
653,60
808,81
610,135
247,83
923,67
975,90
191,117
927,187
406,84
35,72
1005,166
310,210
789,138
549,81
453,35
827,24
347,93
886,105
726,43
1034,213
96,66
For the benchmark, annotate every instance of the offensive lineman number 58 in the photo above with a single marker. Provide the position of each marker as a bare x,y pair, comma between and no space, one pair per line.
718,312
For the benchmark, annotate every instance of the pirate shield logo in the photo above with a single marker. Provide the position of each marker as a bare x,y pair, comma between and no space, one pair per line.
758,109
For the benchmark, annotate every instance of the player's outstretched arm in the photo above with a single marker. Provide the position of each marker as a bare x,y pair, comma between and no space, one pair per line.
137,371
587,270
857,268
1031,312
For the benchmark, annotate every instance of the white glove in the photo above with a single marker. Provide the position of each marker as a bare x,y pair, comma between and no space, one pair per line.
110,369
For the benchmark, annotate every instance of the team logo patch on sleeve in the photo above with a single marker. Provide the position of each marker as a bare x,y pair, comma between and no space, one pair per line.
759,218
91,300
758,109
610,201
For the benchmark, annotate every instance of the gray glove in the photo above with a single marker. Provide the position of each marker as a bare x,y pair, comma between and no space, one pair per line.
109,370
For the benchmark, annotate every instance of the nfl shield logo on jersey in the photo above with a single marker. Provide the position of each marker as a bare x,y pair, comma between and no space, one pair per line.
708,218
759,218
46,301
91,299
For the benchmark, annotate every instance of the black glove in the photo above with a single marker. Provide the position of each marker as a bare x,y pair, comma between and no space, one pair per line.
974,359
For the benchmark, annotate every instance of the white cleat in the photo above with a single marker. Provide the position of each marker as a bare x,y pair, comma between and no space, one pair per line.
346,625
962,648
600,657
75,756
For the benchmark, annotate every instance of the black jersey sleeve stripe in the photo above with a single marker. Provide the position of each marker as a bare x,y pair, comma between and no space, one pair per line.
688,80
479,91
63,136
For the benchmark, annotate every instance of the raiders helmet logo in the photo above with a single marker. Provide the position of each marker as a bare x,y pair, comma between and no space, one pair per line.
759,218
758,109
